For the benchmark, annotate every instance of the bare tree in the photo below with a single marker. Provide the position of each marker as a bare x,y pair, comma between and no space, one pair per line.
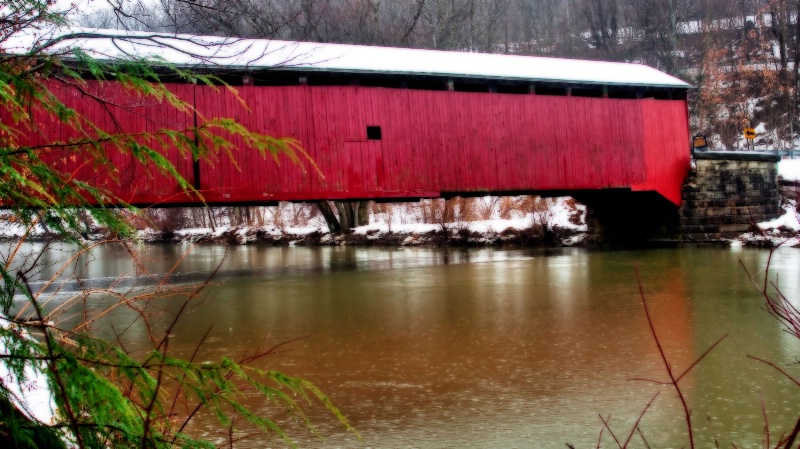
662,24
536,27
603,20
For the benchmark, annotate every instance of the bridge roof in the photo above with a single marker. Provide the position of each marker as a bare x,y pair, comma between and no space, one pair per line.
255,54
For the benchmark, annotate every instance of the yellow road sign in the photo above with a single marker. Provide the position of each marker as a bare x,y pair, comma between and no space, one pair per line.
699,141
749,133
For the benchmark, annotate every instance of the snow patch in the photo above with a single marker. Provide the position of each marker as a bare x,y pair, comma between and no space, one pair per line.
551,214
30,393
781,231
575,240
788,220
789,169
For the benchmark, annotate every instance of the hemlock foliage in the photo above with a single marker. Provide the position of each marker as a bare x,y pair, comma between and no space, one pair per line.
102,396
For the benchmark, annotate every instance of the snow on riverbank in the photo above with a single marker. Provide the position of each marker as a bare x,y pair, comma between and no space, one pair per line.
784,230
789,220
477,221
404,224
560,214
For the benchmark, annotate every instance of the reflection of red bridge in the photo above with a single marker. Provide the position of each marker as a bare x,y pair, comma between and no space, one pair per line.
392,136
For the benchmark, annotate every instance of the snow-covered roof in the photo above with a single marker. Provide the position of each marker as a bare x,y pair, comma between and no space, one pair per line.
192,50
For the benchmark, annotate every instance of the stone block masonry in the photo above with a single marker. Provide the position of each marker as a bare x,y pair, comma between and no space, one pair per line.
726,193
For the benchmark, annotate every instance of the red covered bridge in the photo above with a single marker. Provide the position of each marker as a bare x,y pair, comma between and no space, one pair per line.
389,124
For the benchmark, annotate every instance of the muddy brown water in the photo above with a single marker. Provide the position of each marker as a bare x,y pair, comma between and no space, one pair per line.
430,348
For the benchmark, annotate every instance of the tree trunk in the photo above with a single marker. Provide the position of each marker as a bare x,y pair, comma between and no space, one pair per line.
248,217
362,214
345,214
86,219
211,219
330,218
351,214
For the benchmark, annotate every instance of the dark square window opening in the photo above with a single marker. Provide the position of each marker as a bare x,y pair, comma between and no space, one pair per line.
373,133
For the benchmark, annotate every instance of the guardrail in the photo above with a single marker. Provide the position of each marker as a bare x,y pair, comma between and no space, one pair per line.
783,153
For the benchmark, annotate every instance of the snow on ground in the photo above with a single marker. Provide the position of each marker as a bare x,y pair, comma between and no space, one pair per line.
288,220
11,229
789,169
556,216
398,219
781,231
788,220
784,230
30,394
495,226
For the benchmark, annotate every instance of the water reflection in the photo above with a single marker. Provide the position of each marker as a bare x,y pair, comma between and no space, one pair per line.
490,348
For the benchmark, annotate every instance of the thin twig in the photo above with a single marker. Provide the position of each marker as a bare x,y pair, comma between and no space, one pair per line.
600,438
191,360
702,356
644,440
641,415
148,412
793,436
607,426
687,412
766,422
788,376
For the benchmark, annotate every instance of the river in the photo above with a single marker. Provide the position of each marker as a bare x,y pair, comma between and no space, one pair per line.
456,348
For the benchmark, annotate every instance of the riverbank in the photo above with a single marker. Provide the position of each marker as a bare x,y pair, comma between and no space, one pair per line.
513,221
436,236
783,231
528,222
557,222
564,225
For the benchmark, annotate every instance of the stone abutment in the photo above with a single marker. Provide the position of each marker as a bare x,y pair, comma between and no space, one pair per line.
724,195
727,193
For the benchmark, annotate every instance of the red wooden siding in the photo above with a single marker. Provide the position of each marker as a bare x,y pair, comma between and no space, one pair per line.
432,142
667,159
120,112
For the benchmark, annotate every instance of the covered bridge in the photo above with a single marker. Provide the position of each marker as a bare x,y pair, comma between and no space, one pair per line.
395,123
